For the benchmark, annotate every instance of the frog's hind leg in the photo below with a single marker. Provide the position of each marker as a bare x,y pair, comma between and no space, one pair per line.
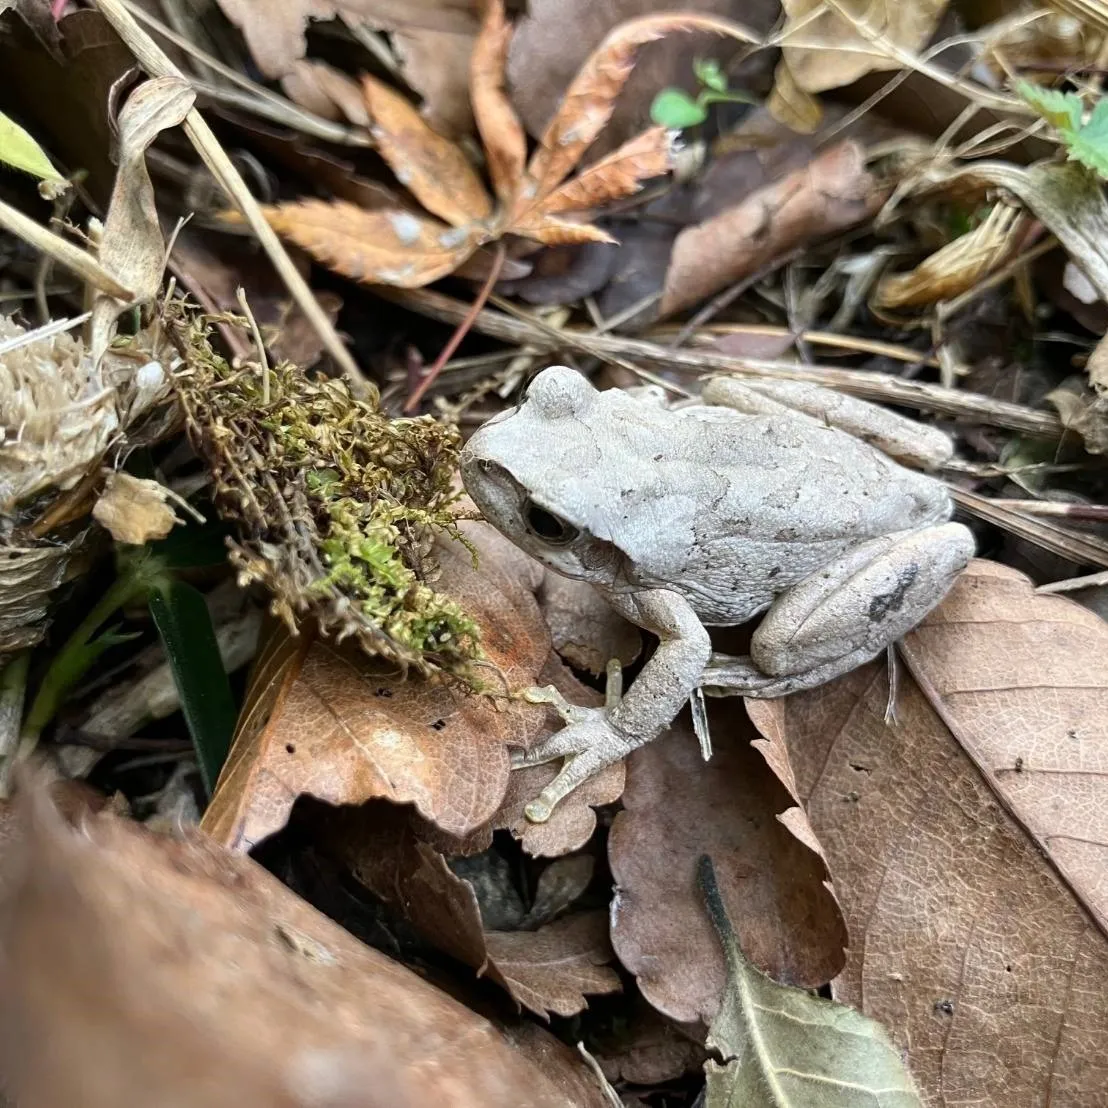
895,435
846,613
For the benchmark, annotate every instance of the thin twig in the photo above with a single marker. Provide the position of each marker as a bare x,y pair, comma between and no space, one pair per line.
521,331
1096,513
154,61
63,252
460,331
263,361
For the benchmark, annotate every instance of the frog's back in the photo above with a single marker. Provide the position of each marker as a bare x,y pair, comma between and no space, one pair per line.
759,502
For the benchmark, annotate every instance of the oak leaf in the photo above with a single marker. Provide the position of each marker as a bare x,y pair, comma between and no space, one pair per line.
980,817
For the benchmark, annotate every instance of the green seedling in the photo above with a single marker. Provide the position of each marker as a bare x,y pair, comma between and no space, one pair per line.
676,109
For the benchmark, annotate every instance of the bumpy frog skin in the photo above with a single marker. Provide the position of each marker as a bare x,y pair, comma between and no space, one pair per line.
757,500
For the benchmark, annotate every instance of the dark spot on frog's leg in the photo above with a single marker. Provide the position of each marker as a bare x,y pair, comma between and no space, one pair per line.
773,572
884,603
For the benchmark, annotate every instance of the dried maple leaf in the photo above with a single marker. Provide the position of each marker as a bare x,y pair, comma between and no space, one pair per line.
439,175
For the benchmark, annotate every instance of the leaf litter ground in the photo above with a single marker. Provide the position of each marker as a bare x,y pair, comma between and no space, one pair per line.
868,839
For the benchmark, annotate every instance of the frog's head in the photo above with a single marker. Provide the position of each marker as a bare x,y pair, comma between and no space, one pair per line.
528,470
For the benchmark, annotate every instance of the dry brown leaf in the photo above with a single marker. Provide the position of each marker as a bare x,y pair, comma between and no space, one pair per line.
841,52
620,174
554,968
338,725
327,91
432,168
644,1048
584,627
833,192
134,509
550,969
552,231
142,969
544,59
501,133
132,248
275,32
677,808
999,950
589,101
378,247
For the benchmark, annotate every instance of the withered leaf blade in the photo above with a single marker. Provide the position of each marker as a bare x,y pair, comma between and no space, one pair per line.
676,808
144,969
132,248
431,167
620,174
552,231
833,192
501,132
551,969
912,819
386,247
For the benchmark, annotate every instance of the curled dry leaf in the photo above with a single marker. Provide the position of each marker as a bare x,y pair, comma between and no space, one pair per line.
432,168
153,970
959,265
828,47
132,248
620,174
389,247
833,192
677,808
551,969
134,509
980,817
554,968
346,728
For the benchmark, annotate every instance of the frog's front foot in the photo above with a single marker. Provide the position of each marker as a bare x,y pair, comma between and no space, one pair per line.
589,742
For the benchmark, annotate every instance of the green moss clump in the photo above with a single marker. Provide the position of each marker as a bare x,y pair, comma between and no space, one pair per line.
337,505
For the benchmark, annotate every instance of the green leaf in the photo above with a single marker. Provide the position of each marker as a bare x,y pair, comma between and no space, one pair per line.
185,626
709,74
19,150
1060,109
785,1048
676,109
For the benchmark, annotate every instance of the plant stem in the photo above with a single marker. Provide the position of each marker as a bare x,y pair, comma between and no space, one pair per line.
71,662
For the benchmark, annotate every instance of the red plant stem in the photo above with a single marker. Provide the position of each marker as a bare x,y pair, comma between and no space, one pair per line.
460,333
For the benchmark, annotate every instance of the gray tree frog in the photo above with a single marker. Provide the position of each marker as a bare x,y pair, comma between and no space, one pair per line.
756,499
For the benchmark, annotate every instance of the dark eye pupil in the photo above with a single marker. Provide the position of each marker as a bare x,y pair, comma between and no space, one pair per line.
548,526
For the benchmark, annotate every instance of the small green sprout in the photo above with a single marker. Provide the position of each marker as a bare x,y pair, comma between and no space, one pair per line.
1086,141
676,109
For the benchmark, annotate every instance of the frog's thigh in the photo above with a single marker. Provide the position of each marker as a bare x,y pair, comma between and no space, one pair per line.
861,602
893,434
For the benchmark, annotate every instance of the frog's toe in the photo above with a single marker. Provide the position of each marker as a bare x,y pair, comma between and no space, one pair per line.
727,675
577,770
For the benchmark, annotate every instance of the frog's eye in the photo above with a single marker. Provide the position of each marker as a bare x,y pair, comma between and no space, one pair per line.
552,529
